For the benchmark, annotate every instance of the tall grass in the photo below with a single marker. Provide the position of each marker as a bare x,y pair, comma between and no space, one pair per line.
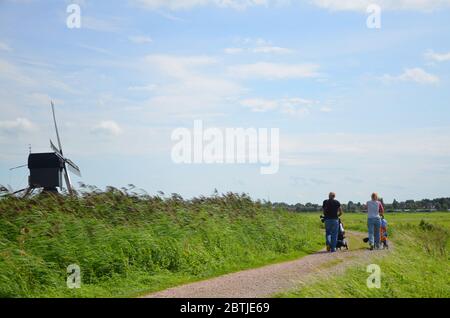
127,243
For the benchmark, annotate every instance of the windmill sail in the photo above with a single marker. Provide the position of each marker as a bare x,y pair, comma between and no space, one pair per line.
73,167
67,163
67,178
56,128
70,164
18,167
54,148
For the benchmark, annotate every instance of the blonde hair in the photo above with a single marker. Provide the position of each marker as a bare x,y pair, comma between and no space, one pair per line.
375,196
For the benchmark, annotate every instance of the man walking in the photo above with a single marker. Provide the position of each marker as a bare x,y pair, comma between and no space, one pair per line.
332,211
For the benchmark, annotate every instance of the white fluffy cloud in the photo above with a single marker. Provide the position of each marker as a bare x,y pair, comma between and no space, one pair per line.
140,39
273,71
178,66
260,46
189,86
16,126
437,57
260,49
259,105
108,128
192,75
290,106
143,88
271,49
361,5
417,75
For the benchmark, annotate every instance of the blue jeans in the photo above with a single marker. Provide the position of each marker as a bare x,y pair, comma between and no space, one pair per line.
331,233
374,225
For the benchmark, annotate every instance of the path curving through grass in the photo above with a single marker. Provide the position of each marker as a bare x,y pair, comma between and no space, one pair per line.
272,279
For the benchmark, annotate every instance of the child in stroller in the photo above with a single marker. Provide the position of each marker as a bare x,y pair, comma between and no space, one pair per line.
383,233
341,242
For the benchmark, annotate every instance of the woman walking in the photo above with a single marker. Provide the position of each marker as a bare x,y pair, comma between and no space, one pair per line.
375,210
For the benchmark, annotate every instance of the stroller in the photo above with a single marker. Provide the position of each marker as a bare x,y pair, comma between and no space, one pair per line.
341,241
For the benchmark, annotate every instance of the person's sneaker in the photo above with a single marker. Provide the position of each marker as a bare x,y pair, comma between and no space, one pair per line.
328,248
371,247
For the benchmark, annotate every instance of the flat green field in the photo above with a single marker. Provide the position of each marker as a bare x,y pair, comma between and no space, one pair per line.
357,221
417,267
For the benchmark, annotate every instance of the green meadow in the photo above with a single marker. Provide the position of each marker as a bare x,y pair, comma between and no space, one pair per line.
417,267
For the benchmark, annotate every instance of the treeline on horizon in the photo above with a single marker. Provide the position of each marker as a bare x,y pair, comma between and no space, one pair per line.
425,205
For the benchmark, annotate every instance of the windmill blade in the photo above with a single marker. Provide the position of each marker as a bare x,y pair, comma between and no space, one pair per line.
56,128
27,192
18,191
73,167
54,148
67,178
18,167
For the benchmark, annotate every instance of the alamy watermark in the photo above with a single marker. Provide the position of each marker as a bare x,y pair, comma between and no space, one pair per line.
73,20
227,146
374,18
374,279
74,277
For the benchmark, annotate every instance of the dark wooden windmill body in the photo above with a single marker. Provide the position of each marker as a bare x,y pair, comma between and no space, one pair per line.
46,171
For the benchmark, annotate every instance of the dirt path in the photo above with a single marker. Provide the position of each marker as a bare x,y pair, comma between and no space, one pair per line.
268,280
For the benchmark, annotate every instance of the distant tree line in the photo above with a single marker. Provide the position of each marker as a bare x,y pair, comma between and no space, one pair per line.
425,205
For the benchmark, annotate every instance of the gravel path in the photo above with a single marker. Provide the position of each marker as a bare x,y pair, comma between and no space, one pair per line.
268,280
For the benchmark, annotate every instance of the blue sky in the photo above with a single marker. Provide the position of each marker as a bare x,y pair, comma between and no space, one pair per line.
359,110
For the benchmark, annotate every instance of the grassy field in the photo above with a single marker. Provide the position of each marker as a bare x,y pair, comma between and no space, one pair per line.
418,266
127,245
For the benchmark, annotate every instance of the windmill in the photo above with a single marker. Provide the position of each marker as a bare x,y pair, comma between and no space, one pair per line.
48,169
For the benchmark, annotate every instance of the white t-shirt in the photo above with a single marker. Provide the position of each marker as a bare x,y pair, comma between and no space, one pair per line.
373,209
